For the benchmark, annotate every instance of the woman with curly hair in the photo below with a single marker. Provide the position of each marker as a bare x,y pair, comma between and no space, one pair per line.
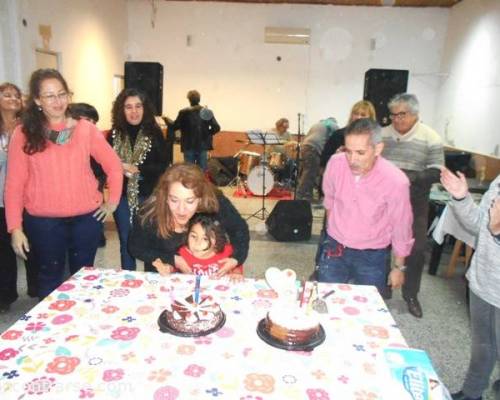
138,141
50,185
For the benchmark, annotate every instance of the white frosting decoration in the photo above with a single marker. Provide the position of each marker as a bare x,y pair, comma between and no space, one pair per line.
203,311
294,318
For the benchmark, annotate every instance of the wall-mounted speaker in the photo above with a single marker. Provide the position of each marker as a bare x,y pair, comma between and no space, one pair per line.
148,77
380,86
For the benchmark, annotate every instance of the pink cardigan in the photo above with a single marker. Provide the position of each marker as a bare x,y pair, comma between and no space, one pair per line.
59,182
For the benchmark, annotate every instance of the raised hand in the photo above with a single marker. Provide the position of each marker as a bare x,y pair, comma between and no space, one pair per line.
456,185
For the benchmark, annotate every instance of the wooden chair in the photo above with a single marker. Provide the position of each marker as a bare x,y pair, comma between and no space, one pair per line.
456,257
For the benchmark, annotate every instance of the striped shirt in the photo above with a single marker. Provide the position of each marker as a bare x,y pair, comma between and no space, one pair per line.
417,150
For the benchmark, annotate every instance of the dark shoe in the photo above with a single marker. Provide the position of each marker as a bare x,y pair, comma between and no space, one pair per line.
414,307
461,396
496,386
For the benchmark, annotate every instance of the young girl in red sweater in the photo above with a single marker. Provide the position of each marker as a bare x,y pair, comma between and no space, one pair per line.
207,244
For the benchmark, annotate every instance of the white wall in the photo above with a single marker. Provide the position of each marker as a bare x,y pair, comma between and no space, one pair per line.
240,79
10,65
90,34
468,108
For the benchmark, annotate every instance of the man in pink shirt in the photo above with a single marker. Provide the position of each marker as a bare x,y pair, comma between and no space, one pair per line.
367,202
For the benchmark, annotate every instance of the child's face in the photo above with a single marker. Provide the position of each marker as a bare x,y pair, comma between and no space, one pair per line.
199,242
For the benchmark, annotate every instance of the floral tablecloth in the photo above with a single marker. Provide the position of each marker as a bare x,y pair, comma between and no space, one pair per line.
96,336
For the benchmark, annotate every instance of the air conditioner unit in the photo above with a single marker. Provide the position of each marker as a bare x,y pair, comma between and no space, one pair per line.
287,35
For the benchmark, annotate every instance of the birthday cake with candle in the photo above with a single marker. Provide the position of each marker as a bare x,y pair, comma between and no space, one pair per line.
292,326
186,316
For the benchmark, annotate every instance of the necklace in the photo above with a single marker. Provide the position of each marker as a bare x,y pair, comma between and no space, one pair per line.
4,141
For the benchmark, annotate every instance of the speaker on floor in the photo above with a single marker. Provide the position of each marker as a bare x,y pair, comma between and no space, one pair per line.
148,77
380,86
290,221
222,170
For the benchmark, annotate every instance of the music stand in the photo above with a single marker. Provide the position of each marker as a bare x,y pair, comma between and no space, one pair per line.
264,138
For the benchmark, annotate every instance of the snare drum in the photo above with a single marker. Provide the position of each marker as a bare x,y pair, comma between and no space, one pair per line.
277,160
260,180
248,160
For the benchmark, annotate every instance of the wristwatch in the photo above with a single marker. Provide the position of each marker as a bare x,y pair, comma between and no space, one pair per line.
402,268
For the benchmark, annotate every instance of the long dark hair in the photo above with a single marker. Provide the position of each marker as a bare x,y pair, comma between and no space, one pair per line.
34,120
214,231
119,122
5,86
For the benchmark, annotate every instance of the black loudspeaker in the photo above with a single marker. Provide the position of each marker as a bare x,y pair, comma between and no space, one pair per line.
148,77
380,86
290,221
222,170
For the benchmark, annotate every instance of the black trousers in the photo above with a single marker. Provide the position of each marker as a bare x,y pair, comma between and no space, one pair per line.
415,261
8,267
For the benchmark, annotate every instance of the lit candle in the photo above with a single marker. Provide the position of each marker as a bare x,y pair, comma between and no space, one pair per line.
302,295
197,289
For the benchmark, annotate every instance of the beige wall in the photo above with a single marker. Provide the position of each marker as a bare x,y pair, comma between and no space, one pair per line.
468,105
240,78
90,35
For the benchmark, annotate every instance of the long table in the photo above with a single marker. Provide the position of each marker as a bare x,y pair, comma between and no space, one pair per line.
96,336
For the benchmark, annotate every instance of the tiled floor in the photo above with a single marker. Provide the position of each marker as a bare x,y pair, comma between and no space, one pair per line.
443,332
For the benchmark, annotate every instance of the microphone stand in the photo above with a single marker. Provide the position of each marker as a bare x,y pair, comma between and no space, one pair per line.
297,156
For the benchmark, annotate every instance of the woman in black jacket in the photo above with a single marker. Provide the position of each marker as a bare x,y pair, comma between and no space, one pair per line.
159,228
138,140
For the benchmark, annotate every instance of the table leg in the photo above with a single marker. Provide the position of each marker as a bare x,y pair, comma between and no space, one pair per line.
455,255
437,250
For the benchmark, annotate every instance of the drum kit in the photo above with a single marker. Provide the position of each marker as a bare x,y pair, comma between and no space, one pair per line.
261,173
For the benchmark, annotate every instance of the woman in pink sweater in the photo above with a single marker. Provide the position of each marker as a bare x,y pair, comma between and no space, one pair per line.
50,185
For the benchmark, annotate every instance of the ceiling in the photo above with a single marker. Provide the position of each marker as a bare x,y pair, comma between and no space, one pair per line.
396,3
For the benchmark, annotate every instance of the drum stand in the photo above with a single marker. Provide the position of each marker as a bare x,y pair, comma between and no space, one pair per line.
263,211
261,138
237,181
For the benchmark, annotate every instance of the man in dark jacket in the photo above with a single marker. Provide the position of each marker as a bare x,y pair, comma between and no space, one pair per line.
197,125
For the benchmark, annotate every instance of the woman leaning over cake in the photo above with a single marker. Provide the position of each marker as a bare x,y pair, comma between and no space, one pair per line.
160,226
138,141
50,179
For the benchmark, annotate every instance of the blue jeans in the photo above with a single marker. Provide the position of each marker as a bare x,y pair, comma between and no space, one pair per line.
53,238
123,225
198,157
338,264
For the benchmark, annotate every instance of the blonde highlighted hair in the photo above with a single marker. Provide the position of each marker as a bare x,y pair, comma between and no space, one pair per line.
155,210
363,105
